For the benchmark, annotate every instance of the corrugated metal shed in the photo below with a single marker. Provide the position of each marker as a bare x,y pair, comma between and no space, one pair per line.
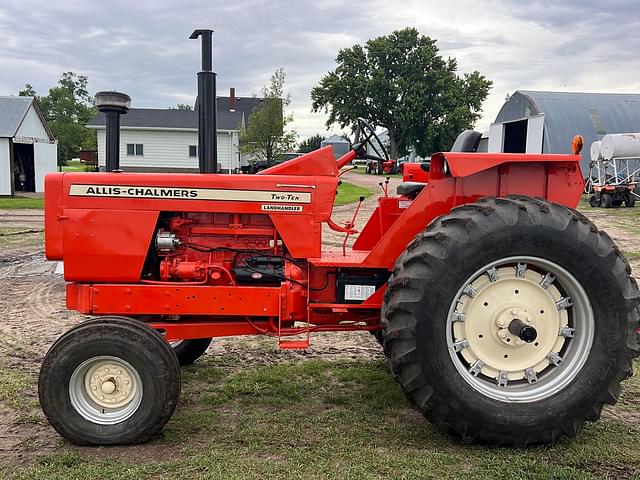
566,114
12,111
340,145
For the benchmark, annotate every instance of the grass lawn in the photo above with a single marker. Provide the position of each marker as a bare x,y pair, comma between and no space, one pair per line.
21,202
622,217
350,193
74,166
325,419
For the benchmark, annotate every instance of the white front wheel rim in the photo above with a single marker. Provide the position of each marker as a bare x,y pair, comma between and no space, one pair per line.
105,390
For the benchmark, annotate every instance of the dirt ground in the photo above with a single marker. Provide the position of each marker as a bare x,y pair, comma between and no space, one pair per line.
33,315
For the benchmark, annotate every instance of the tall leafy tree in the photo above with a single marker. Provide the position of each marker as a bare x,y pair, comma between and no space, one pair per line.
401,83
310,144
182,106
67,107
265,136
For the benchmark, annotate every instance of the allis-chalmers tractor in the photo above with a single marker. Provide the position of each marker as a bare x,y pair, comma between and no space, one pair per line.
507,317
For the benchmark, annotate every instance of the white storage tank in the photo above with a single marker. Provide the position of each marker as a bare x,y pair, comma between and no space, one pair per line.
620,145
596,152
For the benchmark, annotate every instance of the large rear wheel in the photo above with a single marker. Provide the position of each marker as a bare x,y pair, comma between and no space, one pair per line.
109,381
511,321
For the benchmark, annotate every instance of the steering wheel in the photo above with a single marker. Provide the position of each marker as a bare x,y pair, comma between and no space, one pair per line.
366,135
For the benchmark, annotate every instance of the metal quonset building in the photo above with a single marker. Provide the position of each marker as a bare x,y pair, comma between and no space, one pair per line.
340,145
28,150
545,122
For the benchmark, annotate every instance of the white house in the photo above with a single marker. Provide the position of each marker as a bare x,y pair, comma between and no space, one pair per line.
166,139
28,150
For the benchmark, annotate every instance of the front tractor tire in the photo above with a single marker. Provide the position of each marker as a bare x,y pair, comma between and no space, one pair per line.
109,381
511,321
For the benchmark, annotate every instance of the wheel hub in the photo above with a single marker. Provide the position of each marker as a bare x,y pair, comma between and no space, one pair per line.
507,322
110,384
524,332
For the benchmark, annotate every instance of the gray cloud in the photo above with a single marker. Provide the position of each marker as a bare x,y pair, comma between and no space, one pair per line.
141,47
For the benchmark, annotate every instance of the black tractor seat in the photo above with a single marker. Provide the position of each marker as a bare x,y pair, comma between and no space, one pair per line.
410,189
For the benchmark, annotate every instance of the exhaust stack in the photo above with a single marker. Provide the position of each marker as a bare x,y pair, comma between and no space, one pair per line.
207,132
113,104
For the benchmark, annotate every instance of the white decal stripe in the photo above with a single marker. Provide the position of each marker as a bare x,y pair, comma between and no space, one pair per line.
186,193
281,208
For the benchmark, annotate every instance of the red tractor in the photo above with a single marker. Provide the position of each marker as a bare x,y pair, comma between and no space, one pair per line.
507,317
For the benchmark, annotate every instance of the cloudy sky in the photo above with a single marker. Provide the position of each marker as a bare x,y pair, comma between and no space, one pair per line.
140,46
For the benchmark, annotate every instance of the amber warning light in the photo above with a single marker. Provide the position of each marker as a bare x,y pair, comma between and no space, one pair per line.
576,144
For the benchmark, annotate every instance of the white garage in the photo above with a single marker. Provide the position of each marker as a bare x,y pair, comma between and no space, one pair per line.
28,150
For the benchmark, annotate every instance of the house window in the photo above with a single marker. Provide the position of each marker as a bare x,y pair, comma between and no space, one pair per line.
193,151
135,149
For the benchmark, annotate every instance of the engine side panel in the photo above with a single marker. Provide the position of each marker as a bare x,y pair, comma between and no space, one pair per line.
106,245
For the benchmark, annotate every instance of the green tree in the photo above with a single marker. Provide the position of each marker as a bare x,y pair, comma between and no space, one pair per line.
182,106
67,107
310,144
401,83
28,91
265,136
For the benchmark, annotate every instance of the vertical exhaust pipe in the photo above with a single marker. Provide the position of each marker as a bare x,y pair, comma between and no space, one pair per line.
113,104
207,132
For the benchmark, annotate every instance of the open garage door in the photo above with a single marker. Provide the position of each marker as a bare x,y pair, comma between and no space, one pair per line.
24,177
519,136
45,161
535,133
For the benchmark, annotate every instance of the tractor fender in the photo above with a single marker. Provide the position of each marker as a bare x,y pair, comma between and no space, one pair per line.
464,164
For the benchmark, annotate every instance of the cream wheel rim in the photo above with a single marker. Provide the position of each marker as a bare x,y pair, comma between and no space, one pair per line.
105,390
520,329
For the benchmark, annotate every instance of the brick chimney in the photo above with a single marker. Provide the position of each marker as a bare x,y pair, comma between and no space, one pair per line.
233,101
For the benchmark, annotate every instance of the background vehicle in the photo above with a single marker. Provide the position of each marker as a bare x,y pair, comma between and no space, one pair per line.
614,171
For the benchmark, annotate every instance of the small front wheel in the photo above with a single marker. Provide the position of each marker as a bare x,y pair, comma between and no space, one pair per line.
109,381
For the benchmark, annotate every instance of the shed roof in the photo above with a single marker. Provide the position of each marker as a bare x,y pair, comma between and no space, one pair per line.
566,114
334,139
170,118
12,113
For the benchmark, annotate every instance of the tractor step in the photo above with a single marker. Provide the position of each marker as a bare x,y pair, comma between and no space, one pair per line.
294,344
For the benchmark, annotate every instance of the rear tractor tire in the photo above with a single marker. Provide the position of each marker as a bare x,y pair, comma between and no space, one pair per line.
511,321
109,381
594,201
188,351
606,200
